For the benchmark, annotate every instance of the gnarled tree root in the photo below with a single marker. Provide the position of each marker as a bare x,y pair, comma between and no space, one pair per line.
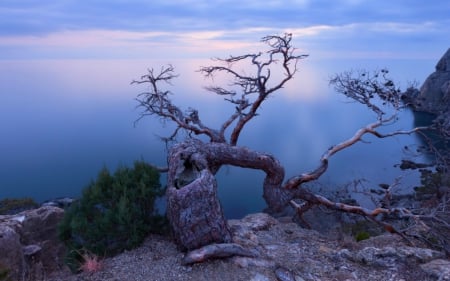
213,251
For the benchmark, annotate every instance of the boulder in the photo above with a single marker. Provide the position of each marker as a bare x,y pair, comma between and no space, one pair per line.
391,256
40,227
62,202
11,258
439,269
30,241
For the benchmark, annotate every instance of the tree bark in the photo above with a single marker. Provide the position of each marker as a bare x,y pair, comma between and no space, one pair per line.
193,208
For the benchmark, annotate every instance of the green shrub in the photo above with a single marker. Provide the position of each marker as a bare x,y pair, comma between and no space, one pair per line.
115,213
361,229
4,273
13,206
433,183
362,236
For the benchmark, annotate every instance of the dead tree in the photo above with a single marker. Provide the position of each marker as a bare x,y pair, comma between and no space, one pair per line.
193,209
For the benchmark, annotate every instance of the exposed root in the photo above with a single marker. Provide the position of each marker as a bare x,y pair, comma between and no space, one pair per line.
212,251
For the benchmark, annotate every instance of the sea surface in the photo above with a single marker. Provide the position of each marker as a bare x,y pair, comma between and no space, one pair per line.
61,121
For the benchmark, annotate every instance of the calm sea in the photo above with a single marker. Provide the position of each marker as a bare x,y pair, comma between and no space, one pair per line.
61,121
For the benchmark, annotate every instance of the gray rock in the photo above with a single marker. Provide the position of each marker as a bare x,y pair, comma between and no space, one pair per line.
434,96
11,257
284,274
439,269
258,221
30,243
444,62
31,250
285,252
390,256
259,277
63,202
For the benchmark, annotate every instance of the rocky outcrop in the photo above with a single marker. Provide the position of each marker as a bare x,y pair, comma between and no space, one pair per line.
434,95
431,106
11,259
279,250
439,269
29,244
62,202
294,253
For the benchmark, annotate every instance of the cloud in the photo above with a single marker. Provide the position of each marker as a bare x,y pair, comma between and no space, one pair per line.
376,39
31,17
138,28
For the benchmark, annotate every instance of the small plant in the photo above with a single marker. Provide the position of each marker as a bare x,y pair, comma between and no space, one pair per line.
362,235
4,273
90,262
115,213
361,229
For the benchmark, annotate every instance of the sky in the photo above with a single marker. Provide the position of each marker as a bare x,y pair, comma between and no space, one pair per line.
137,29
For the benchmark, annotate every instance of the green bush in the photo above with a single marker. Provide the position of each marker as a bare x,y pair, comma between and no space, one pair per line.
4,273
13,206
115,213
362,236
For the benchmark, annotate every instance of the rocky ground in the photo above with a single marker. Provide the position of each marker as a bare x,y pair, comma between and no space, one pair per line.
283,251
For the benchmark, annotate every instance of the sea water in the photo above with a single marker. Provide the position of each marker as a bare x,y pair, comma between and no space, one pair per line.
61,121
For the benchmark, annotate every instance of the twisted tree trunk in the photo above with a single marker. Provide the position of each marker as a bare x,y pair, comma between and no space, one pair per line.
195,213
193,208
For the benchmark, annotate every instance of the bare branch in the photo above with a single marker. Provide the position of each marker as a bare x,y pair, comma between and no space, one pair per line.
375,90
369,129
256,85
370,214
157,102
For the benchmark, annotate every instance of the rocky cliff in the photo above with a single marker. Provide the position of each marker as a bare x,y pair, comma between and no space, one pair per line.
434,95
29,245
282,251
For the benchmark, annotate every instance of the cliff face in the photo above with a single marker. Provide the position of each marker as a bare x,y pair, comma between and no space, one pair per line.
29,244
434,95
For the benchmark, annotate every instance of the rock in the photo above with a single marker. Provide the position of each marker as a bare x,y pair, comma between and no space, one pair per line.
40,227
434,94
31,251
391,256
439,269
284,274
255,222
444,63
11,258
285,252
62,202
33,260
431,105
245,262
30,241
259,277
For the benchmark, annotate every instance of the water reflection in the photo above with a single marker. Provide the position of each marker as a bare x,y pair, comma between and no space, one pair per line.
62,121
